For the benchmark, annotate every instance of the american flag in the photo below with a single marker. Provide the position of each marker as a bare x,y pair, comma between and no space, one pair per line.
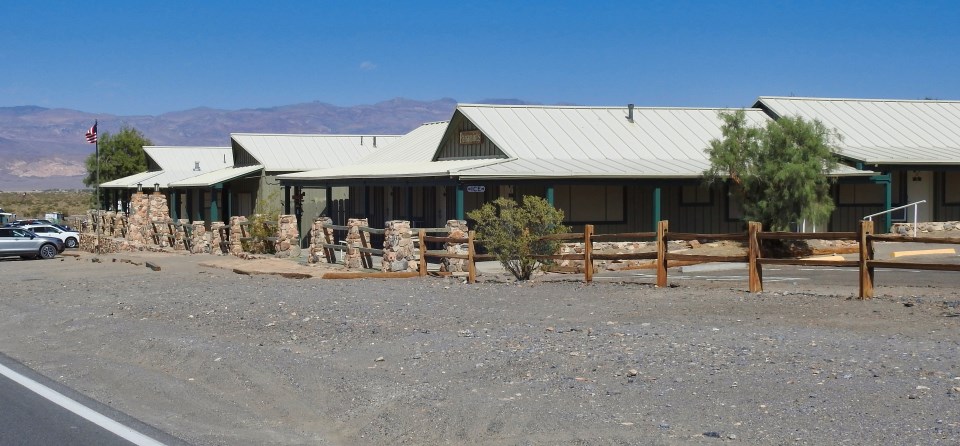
92,134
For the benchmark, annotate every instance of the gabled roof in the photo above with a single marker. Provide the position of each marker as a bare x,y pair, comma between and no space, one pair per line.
217,176
188,158
411,153
571,132
882,131
295,153
174,163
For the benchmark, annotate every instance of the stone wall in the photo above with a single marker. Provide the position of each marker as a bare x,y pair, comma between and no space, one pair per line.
398,249
926,227
455,229
216,240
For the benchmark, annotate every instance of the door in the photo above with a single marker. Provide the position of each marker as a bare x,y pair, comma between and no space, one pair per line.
920,187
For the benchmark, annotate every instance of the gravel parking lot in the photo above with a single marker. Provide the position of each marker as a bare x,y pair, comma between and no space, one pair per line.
219,358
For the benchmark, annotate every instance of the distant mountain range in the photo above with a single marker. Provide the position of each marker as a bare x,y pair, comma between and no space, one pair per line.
44,148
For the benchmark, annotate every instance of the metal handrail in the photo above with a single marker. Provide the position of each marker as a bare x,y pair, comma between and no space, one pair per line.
914,204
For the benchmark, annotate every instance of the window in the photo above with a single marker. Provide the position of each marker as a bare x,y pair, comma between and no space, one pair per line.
860,194
951,188
696,195
590,203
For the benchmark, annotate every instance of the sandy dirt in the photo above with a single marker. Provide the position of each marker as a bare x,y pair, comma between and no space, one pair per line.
220,358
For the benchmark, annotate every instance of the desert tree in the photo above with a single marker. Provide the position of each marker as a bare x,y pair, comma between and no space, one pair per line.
121,155
780,172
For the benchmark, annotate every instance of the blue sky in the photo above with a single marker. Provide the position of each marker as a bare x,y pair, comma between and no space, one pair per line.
138,57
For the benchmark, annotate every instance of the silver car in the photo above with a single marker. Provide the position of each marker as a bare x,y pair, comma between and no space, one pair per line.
27,244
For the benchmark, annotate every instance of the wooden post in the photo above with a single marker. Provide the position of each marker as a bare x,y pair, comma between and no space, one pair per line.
588,253
662,227
865,230
423,253
471,259
365,257
753,253
328,236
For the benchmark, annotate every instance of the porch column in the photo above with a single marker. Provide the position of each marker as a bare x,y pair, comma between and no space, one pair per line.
286,200
329,198
550,194
214,198
174,206
656,206
410,204
229,195
189,211
887,202
459,209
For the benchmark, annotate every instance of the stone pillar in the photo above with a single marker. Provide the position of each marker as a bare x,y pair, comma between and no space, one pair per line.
316,252
199,238
180,236
398,247
237,231
216,240
288,236
459,229
138,227
352,258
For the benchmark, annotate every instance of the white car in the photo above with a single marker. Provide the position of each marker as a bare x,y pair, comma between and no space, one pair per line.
70,239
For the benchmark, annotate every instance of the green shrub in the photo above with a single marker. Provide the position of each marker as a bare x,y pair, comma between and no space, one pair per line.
512,232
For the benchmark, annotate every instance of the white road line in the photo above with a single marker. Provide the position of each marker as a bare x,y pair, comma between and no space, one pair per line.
91,415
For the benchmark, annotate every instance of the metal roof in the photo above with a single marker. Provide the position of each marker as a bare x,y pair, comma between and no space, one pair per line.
130,182
418,145
882,131
602,133
295,153
186,158
389,170
217,176
411,153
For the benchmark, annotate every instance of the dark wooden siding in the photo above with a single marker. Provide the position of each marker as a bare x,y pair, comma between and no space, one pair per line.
450,148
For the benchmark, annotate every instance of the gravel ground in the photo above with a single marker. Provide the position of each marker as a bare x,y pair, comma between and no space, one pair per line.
218,358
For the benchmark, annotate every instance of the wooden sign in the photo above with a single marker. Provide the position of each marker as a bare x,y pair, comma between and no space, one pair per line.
476,188
468,137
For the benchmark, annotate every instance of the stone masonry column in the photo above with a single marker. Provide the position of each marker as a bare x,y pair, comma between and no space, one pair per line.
199,239
236,232
353,258
315,251
398,247
458,229
288,236
215,240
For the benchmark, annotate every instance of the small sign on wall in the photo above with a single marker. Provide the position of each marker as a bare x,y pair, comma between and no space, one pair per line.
476,188
468,137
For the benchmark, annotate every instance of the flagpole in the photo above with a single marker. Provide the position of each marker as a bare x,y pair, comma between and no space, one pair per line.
97,148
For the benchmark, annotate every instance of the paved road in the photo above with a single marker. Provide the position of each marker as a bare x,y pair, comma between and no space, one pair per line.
37,411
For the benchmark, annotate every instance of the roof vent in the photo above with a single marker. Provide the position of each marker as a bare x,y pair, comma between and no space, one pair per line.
630,112
196,166
374,142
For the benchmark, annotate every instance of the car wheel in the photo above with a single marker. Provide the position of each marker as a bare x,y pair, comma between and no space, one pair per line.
48,251
71,242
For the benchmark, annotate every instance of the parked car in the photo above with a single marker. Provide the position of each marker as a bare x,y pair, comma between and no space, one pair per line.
32,221
28,245
70,238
